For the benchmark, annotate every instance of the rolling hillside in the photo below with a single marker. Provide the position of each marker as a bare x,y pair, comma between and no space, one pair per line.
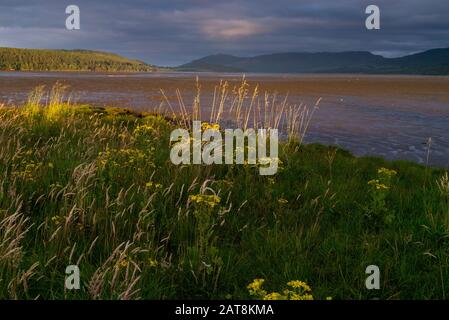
67,60
432,62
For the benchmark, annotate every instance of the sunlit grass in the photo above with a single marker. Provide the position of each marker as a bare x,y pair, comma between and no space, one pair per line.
95,187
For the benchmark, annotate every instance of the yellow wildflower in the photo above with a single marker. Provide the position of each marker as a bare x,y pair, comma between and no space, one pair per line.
152,185
209,200
56,219
306,297
299,290
378,185
255,287
152,262
299,285
274,296
387,172
124,262
212,126
282,201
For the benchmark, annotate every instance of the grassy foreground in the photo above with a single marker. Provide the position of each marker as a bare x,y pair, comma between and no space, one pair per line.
96,188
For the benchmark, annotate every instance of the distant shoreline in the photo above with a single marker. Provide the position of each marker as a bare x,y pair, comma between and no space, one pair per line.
225,74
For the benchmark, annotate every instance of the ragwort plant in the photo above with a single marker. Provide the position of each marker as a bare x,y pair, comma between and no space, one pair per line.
378,210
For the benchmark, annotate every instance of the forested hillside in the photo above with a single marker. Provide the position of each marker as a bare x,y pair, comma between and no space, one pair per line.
67,60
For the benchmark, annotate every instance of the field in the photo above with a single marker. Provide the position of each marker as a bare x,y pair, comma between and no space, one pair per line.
95,187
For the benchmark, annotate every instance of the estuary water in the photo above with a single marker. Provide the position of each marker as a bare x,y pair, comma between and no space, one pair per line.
388,116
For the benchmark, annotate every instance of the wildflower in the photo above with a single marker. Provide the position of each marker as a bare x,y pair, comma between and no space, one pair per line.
50,165
128,157
123,262
299,285
282,201
255,288
29,170
378,185
274,296
379,191
56,219
145,133
143,129
382,186
152,263
152,185
132,155
209,200
387,172
298,290
212,126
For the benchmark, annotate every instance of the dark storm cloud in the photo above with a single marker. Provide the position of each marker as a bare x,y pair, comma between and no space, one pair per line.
168,32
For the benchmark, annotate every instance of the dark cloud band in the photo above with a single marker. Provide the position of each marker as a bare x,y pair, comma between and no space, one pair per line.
173,32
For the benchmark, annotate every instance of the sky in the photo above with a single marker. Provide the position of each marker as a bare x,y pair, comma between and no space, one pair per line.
173,32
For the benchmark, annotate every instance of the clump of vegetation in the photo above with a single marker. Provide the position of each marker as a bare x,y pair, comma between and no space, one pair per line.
95,187
295,290
378,210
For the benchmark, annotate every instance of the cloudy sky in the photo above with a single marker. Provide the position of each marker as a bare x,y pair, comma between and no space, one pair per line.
172,32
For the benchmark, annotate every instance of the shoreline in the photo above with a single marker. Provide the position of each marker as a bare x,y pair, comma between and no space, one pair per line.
254,74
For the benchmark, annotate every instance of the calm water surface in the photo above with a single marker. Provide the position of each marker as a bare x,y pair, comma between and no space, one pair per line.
388,116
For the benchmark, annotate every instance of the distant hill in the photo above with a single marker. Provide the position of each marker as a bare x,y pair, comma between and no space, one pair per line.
431,62
67,60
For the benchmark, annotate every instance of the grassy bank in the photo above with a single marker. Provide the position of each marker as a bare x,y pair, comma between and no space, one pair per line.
95,187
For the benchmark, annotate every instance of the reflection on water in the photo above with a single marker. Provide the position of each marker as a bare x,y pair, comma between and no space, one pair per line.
388,116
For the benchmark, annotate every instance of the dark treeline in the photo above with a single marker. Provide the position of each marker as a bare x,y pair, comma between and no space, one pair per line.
67,60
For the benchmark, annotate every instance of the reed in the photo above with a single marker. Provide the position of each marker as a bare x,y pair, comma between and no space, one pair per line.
242,105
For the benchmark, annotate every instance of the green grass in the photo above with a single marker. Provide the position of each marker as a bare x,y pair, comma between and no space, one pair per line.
75,189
